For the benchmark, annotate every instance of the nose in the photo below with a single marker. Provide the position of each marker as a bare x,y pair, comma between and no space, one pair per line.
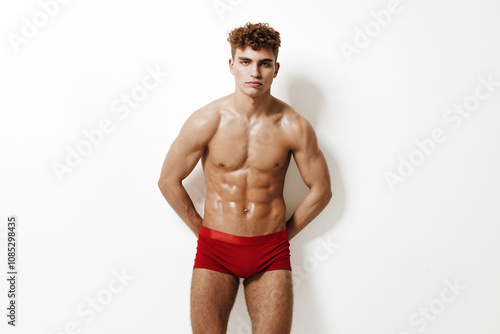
255,71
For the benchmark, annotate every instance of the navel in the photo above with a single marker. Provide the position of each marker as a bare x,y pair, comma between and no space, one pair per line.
276,165
221,164
249,208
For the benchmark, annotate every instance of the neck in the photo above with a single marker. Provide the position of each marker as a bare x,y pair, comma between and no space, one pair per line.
252,106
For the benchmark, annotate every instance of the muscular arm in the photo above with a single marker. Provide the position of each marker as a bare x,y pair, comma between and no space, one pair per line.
180,161
314,172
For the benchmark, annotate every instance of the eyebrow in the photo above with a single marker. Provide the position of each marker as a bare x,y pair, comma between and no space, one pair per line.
262,60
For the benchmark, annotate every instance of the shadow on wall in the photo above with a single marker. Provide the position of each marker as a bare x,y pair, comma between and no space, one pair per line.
306,99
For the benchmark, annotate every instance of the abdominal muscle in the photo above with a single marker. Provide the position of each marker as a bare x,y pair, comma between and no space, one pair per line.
236,206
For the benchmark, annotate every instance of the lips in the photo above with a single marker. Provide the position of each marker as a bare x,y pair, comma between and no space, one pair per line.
254,84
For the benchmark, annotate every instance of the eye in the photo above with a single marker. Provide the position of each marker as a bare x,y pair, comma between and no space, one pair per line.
266,64
244,62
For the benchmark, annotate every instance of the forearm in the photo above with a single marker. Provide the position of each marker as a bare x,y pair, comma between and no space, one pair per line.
308,209
178,198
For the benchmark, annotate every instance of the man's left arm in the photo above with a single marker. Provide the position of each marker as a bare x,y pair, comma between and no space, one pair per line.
314,172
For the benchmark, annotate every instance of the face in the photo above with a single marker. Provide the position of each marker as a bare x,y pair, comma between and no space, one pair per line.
254,70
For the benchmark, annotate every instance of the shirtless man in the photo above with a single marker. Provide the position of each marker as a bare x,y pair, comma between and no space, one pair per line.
245,141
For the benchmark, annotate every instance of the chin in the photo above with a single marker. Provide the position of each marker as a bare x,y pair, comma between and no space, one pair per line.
255,91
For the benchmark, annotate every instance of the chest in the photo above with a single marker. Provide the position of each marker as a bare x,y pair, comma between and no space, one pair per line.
262,145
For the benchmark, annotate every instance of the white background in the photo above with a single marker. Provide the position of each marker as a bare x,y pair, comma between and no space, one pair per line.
395,249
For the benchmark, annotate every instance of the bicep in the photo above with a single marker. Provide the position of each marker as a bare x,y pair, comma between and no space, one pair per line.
181,159
310,160
187,148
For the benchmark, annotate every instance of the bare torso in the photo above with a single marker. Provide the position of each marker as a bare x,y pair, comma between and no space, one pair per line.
245,164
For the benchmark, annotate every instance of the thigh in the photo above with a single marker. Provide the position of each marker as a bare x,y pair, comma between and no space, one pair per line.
269,298
212,298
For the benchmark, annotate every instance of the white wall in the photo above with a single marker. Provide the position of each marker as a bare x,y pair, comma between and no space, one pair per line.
379,259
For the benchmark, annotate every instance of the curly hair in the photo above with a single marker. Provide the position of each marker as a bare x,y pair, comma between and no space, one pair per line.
258,35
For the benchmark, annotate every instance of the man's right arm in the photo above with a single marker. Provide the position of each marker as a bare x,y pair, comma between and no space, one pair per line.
182,157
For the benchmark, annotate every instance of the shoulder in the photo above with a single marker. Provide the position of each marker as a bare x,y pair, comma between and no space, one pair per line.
205,121
296,126
207,115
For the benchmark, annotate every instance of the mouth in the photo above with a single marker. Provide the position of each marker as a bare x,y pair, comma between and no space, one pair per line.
254,84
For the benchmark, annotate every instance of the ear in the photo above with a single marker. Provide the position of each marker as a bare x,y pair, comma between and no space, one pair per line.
231,65
276,69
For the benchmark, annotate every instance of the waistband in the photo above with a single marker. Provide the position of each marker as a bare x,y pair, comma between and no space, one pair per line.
206,232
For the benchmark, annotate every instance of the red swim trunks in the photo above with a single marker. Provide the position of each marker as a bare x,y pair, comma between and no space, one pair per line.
242,256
